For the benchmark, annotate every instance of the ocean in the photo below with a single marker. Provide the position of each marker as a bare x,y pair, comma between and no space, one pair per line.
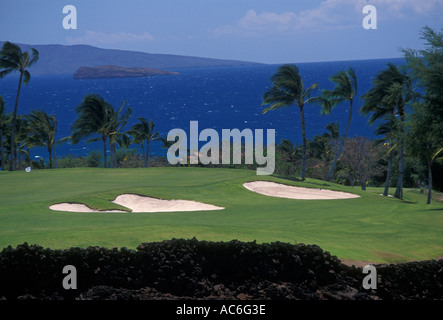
218,98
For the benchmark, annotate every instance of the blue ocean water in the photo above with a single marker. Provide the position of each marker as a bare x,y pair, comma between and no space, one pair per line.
218,98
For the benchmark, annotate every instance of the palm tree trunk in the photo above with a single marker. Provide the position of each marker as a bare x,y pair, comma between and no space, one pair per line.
111,155
147,154
303,131
55,158
429,182
388,177
104,152
363,185
12,163
340,147
18,157
143,154
28,157
115,156
399,189
50,158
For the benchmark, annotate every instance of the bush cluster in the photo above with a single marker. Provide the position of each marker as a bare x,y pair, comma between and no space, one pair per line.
195,269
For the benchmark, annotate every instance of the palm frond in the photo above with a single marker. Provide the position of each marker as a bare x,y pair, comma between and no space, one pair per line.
10,51
34,57
277,98
5,72
93,140
26,76
437,153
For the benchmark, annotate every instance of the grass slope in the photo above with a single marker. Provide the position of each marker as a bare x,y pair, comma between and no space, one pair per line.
371,228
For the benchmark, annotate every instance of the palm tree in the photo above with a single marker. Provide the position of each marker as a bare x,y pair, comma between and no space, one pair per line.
43,129
334,131
391,92
94,117
117,121
389,129
288,89
144,131
290,153
425,139
333,135
323,147
345,90
13,59
22,140
291,150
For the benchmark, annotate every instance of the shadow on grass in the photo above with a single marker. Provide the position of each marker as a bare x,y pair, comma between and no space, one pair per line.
295,179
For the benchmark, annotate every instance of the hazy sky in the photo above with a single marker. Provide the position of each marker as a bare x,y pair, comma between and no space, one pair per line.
268,31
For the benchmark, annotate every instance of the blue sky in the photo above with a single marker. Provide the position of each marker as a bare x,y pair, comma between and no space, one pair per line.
268,31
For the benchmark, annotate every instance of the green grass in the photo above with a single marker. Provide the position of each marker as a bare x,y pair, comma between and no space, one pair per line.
370,228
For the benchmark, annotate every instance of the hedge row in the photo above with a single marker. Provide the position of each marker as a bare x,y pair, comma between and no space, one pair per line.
205,270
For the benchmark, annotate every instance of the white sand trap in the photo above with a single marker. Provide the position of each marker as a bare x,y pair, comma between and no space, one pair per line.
76,207
274,189
147,204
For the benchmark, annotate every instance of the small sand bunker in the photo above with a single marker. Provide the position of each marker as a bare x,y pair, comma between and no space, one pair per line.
146,204
76,207
274,189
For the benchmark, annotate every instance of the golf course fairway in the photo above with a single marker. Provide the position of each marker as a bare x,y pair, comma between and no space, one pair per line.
367,228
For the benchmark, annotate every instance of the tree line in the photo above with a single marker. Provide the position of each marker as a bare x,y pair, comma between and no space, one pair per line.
419,132
95,117
406,103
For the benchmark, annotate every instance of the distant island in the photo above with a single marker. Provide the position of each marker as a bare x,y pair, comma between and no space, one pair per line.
58,59
112,71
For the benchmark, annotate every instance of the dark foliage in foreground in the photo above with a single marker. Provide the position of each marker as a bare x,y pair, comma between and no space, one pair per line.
192,269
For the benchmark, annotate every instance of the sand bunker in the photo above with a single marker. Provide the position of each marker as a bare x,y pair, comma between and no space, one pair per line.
146,204
274,189
138,203
76,207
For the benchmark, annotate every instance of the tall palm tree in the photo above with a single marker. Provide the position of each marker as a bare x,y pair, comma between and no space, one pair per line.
287,90
13,59
144,131
345,90
391,92
94,117
43,128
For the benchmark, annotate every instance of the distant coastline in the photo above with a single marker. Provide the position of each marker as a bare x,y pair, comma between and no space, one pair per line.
113,71
56,59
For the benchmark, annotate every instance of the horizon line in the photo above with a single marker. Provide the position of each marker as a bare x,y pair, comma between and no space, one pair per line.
194,56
